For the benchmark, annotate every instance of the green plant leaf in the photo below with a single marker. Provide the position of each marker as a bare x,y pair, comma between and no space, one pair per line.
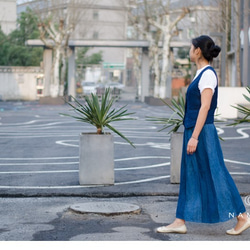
120,134
176,119
246,97
100,113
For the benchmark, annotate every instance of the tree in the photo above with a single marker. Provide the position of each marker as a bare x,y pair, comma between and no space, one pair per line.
27,27
3,48
84,59
224,17
167,26
156,22
57,21
13,51
139,14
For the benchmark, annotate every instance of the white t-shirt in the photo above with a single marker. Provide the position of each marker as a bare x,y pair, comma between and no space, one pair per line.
208,79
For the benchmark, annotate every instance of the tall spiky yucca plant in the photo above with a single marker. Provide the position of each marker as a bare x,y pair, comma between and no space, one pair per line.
176,119
100,114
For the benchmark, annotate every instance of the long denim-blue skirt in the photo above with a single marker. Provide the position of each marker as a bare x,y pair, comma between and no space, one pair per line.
208,193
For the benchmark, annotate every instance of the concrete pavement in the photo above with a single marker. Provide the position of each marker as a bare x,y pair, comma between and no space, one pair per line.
50,219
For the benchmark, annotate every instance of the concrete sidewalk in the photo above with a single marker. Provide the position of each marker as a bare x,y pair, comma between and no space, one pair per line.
50,219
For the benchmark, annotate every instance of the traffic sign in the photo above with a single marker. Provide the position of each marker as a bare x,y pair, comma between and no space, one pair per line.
113,65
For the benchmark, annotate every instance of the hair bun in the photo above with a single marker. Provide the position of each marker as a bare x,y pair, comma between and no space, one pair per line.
208,48
215,50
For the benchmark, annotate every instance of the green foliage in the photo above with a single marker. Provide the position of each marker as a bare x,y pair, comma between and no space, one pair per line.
183,53
27,27
176,119
84,59
243,110
100,114
13,51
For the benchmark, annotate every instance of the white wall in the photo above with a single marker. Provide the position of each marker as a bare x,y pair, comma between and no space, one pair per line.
228,97
19,83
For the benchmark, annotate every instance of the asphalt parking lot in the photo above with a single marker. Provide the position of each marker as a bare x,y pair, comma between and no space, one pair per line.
39,153
39,176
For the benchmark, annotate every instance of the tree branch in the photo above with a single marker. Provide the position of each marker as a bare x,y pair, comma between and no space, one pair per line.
181,16
156,24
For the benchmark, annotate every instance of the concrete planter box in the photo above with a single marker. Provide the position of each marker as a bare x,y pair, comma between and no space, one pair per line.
96,159
176,154
154,101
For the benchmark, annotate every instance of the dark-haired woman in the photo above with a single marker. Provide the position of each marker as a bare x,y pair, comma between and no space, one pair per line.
207,191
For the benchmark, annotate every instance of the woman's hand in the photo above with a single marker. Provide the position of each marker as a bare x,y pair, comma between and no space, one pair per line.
192,145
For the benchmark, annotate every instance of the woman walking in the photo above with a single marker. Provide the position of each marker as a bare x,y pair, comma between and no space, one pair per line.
207,191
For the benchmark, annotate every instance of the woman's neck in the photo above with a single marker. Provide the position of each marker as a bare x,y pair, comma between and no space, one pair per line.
201,64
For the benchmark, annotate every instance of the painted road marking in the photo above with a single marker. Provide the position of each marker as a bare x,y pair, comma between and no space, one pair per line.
44,128
116,184
79,186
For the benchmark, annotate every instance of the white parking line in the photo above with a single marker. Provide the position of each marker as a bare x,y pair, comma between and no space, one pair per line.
116,184
79,186
38,163
52,128
237,162
73,171
239,173
240,131
40,172
143,180
39,159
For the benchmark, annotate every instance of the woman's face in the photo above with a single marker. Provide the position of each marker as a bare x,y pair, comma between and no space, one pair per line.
192,54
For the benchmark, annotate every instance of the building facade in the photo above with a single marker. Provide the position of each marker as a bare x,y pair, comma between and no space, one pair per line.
8,15
100,20
108,20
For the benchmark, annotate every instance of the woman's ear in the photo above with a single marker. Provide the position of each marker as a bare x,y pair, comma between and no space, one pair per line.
197,51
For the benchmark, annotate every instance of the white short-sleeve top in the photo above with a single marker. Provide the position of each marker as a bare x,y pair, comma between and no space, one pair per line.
208,79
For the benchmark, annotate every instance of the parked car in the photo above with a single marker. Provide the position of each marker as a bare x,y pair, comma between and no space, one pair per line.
113,85
89,87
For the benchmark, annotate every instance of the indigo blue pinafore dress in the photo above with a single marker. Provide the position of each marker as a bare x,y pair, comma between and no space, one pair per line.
207,193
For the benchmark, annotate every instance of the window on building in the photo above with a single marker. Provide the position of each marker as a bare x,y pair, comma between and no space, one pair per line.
95,15
95,35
